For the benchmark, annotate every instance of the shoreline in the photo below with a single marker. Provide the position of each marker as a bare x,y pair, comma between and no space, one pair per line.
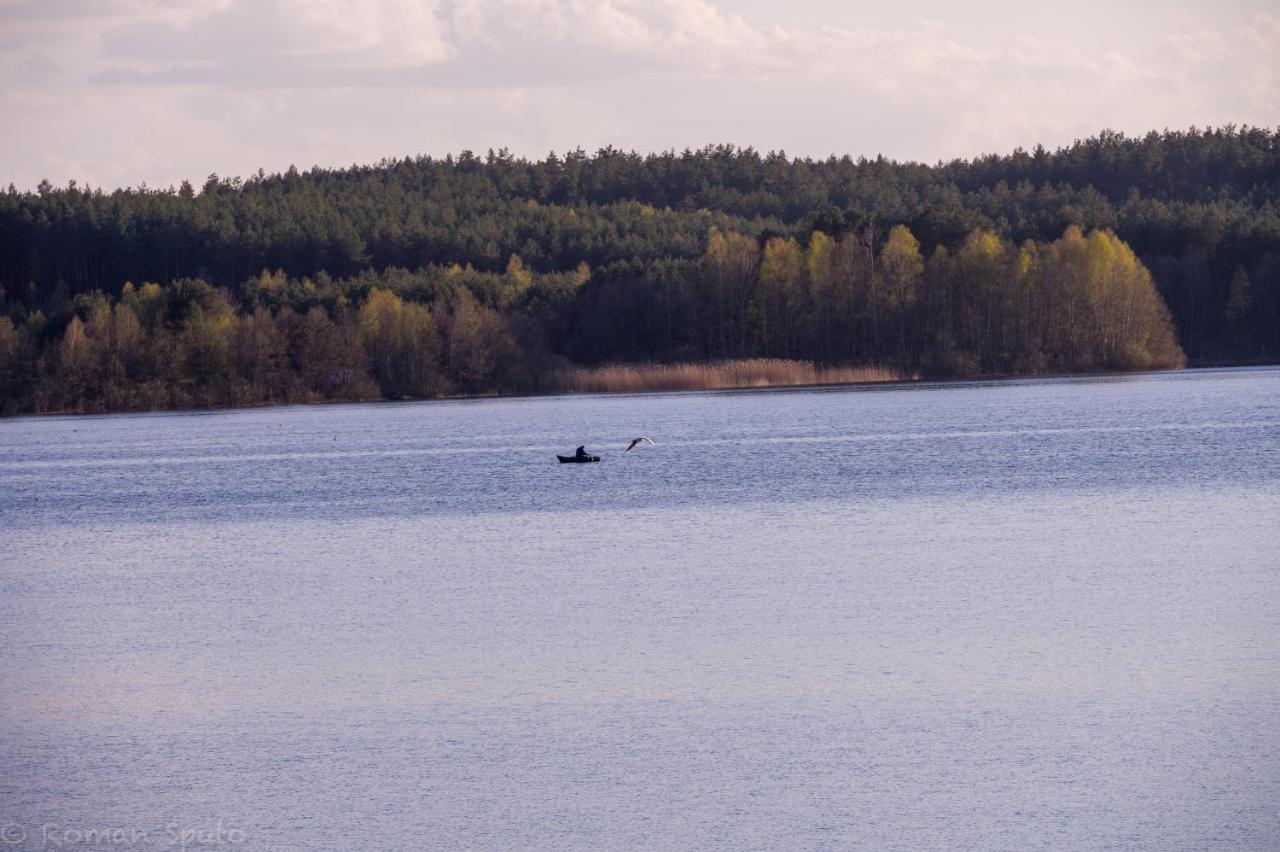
918,382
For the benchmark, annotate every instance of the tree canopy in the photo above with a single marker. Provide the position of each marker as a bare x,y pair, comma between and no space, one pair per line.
483,273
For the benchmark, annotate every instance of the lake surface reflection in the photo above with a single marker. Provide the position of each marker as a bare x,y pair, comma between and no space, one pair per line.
977,614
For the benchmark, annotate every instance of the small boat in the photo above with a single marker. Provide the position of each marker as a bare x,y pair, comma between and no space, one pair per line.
576,460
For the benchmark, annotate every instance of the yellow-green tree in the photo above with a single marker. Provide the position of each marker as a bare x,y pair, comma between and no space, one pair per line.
726,285
478,342
820,268
779,298
204,350
901,270
854,266
73,374
515,282
1129,324
403,342
977,285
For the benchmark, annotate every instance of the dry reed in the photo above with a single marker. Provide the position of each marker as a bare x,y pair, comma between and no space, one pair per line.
744,373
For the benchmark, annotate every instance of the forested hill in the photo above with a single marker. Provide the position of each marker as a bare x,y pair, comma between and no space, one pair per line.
606,257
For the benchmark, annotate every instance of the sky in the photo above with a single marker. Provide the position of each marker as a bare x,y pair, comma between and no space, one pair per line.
129,92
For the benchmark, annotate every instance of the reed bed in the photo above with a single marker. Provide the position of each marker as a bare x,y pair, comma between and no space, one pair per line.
743,373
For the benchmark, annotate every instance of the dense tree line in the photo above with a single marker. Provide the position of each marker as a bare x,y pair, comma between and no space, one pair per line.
615,248
988,306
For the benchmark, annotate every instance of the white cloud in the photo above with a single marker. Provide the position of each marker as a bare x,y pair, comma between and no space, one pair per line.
274,42
417,42
119,91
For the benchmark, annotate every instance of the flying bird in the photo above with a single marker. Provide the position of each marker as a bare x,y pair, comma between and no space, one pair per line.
637,441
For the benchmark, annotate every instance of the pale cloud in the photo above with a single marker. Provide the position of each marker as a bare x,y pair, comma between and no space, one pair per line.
275,42
269,43
120,91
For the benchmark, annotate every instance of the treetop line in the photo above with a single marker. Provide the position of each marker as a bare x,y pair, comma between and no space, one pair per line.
1026,262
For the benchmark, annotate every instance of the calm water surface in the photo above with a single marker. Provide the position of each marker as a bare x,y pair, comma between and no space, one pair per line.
1018,614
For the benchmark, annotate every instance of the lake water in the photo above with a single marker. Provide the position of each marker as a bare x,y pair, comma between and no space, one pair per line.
1014,614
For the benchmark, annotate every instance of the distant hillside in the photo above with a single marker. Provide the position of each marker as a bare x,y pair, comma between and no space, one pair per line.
622,257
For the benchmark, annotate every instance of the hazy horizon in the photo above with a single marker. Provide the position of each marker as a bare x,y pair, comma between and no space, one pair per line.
126,92
197,181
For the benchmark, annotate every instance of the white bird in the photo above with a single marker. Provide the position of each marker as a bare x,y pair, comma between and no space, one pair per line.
637,441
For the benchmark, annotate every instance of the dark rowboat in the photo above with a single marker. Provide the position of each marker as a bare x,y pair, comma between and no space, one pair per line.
576,460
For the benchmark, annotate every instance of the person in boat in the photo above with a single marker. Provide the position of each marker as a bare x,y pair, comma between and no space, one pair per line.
581,453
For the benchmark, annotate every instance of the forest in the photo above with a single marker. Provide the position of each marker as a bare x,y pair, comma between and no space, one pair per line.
424,277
